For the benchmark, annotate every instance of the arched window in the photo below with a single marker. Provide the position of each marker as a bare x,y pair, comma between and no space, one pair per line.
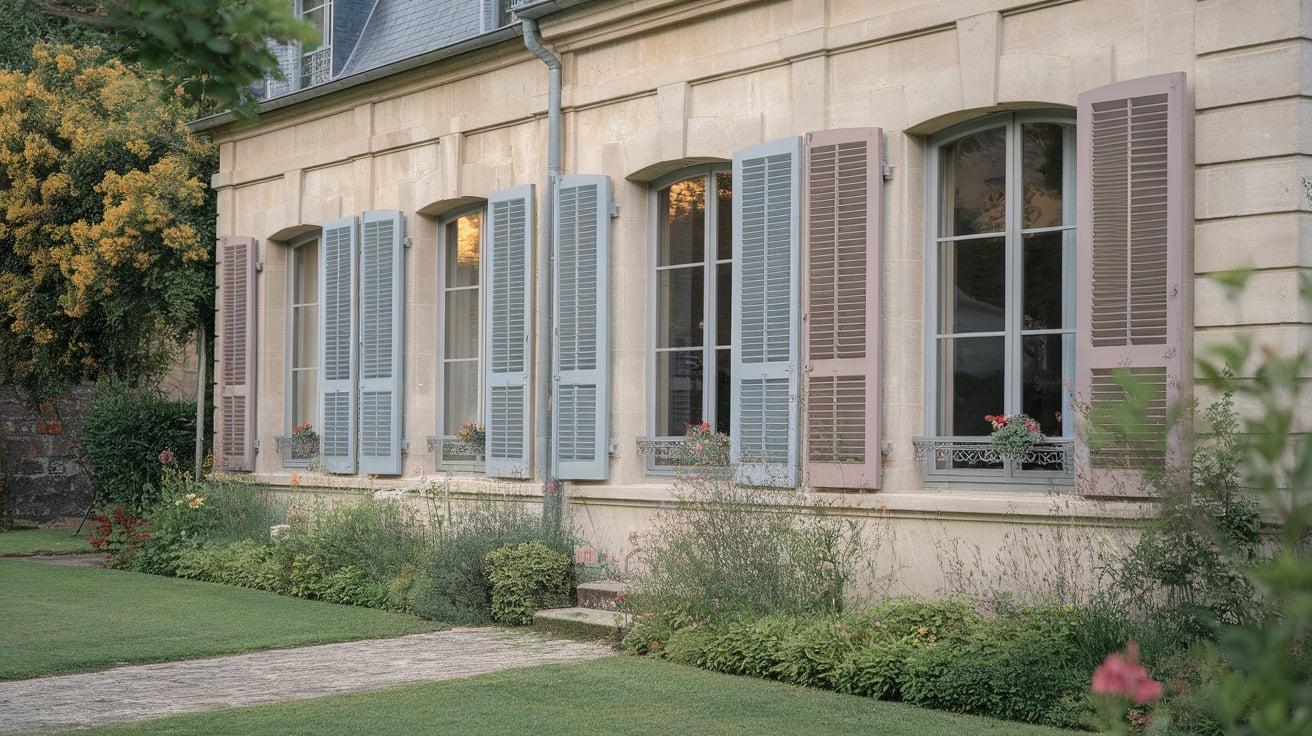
460,263
691,280
1000,264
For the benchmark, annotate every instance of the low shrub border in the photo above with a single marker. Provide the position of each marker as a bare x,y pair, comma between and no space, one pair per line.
525,578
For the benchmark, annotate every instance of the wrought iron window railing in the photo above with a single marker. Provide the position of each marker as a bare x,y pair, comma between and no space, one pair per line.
659,453
296,452
973,459
453,454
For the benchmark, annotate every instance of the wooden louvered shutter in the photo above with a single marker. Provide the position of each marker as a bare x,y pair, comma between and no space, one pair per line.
382,340
766,210
1131,268
509,318
841,322
581,352
337,346
237,378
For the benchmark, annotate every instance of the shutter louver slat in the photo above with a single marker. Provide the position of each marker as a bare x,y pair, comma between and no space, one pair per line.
238,344
842,300
382,319
767,185
508,298
1131,257
581,351
337,346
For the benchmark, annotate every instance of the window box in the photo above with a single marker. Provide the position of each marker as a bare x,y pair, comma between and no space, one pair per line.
452,454
973,460
658,452
296,453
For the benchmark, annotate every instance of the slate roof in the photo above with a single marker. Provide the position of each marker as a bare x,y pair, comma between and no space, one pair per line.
399,29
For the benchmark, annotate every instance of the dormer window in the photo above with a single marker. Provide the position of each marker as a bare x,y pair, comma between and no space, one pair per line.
496,13
317,58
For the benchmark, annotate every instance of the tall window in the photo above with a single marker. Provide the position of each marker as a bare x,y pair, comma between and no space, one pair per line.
304,353
316,57
692,282
1002,247
462,245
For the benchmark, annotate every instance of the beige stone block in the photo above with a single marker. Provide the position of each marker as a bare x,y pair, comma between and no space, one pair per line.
1228,24
977,52
934,95
1258,241
1257,130
1028,78
1253,187
1271,297
1250,74
1091,69
810,98
719,137
672,118
1283,340
329,193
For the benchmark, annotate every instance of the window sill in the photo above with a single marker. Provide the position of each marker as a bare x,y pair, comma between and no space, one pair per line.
973,461
445,447
655,450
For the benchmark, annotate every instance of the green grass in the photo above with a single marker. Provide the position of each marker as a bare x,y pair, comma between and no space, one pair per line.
41,541
621,696
63,619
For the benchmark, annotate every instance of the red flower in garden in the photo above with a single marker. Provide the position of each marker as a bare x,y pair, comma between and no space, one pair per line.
1122,675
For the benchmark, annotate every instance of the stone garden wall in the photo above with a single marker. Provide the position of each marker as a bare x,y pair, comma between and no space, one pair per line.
38,455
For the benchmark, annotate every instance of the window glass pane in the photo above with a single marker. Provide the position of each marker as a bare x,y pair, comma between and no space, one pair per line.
678,391
1042,291
724,304
306,277
724,216
317,16
461,326
1042,178
459,395
972,285
723,390
682,209
305,336
970,378
305,404
1041,388
679,294
463,243
973,186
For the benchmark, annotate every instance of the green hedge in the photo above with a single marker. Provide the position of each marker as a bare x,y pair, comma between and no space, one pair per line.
122,435
525,578
1029,665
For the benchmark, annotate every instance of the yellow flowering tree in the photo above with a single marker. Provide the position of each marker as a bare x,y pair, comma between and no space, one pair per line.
106,222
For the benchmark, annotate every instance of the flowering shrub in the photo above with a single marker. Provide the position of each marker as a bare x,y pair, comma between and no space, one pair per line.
473,434
1120,683
1014,435
119,534
702,447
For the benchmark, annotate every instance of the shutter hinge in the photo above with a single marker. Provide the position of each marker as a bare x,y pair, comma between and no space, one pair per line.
614,210
405,444
887,171
256,444
408,242
613,448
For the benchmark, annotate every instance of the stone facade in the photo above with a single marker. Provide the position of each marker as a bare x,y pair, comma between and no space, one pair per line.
41,471
651,85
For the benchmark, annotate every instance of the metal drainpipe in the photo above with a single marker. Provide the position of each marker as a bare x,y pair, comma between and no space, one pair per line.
551,497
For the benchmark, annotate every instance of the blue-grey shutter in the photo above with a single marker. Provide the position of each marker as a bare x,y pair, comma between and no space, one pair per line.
508,305
581,351
766,257
337,346
382,340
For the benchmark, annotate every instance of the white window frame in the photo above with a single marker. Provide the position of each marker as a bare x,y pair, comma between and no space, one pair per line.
710,284
289,347
443,223
494,16
1014,308
326,44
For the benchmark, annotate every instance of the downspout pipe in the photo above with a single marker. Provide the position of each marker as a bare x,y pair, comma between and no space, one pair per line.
553,506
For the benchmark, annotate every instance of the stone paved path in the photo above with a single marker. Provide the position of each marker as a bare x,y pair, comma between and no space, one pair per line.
148,691
90,559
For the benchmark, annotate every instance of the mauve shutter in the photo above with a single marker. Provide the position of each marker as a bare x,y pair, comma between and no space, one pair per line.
509,300
581,352
237,379
1131,269
382,340
337,346
841,322
766,213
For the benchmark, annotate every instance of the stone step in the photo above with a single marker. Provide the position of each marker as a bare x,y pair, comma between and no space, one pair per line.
581,623
603,595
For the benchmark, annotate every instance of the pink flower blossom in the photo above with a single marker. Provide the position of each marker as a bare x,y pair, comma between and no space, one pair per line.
166,457
1122,675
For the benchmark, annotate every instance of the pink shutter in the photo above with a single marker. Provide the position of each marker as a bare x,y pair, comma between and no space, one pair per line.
840,284
236,401
1132,304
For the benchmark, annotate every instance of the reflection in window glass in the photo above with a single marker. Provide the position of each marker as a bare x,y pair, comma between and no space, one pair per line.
305,334
1006,274
693,298
462,241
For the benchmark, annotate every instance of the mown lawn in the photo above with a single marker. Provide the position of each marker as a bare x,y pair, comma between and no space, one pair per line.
620,696
41,541
63,619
